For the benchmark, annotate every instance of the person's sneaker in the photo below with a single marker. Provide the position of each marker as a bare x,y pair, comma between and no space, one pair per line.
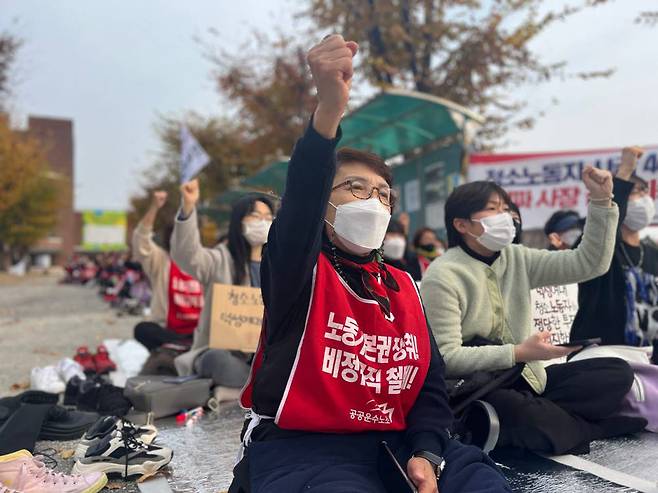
113,425
67,369
28,474
85,359
102,361
120,454
47,379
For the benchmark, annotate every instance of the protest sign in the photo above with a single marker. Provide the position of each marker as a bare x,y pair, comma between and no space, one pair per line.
236,318
553,311
543,183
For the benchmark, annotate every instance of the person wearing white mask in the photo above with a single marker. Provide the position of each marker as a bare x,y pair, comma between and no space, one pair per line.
563,230
235,262
477,297
394,248
620,306
346,360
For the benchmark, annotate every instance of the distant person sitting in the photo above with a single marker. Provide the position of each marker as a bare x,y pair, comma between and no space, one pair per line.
426,247
177,297
236,262
563,230
394,248
621,305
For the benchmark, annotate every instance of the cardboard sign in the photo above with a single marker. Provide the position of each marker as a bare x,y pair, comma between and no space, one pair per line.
236,318
553,311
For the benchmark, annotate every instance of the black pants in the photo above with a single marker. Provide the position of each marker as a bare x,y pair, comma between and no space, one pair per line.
327,463
580,404
152,335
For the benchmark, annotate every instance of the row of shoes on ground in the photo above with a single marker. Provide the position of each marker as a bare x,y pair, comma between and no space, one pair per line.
20,472
116,447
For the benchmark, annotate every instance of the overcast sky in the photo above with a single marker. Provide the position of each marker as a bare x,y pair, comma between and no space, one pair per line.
113,66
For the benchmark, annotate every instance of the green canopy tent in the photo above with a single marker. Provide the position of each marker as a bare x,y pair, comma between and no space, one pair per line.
271,178
392,123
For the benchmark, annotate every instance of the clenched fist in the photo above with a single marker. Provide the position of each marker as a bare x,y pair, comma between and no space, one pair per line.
332,70
190,195
629,159
598,183
159,199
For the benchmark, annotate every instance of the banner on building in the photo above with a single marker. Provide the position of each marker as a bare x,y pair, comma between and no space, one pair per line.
543,183
103,231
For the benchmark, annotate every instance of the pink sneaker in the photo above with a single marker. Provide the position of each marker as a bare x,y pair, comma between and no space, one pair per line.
28,474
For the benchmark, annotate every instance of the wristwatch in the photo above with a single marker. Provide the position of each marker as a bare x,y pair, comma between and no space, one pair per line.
437,461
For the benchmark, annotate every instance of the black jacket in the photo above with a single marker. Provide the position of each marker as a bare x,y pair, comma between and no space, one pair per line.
295,241
602,301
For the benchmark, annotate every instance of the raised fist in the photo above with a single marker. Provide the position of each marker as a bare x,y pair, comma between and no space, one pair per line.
629,159
331,67
598,182
159,199
190,195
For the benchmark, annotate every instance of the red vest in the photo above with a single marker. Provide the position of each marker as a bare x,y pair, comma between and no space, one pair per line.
355,369
185,301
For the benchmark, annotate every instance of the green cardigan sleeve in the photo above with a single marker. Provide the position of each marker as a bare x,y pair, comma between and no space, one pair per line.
591,259
444,312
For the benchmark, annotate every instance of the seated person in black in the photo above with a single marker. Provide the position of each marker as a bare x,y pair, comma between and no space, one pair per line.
346,359
621,306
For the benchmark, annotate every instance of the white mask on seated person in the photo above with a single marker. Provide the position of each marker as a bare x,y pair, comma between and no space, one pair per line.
639,213
394,248
499,231
361,225
255,232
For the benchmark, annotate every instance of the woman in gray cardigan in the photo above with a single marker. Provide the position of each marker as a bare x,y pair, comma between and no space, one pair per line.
235,262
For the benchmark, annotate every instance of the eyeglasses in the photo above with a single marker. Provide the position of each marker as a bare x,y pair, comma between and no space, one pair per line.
362,190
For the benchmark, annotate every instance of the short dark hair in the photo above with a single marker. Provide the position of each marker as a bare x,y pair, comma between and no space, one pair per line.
371,160
466,200
638,180
561,221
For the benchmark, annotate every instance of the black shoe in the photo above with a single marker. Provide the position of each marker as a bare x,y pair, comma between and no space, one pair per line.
62,424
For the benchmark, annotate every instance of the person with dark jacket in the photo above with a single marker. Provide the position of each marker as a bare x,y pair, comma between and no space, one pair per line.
426,246
346,360
621,306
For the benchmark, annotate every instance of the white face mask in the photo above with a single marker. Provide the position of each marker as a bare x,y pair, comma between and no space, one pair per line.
394,247
639,213
255,232
361,225
570,237
499,231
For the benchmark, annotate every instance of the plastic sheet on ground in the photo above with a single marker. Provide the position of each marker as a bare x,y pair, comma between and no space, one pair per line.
205,453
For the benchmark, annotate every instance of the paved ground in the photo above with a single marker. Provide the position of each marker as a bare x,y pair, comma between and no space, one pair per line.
41,322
